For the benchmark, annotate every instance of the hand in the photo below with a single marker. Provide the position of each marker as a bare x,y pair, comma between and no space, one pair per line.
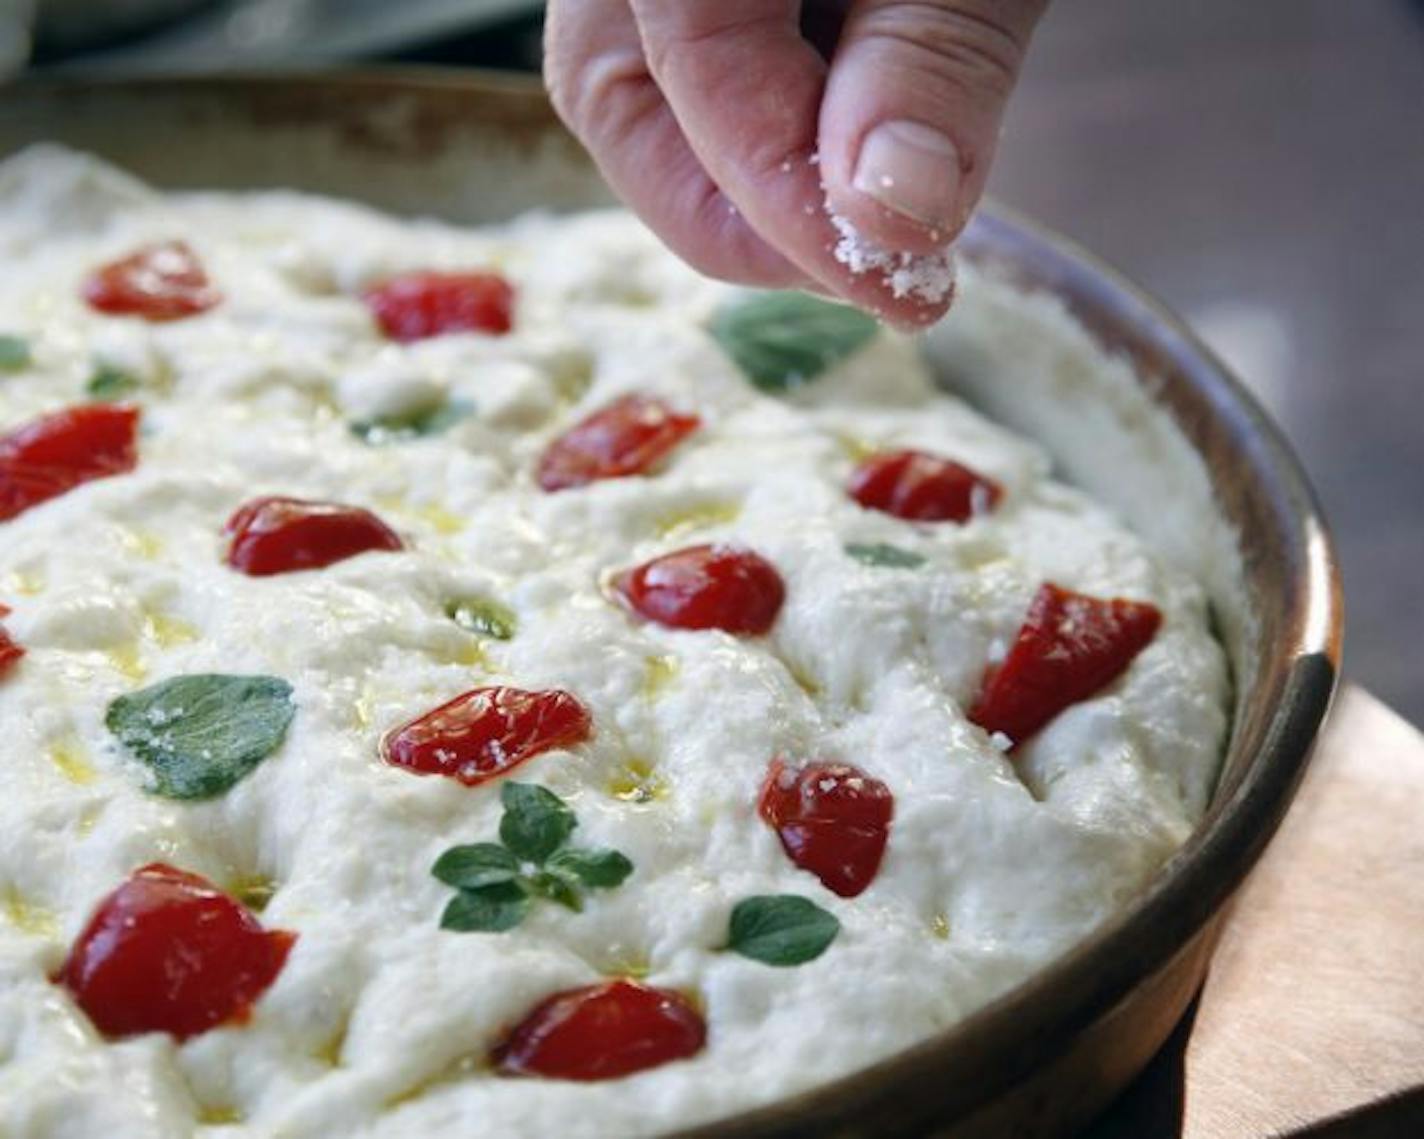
731,134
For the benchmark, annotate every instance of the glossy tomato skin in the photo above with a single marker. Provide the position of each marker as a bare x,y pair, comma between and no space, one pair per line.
625,438
282,535
1069,646
416,306
169,952
921,487
602,1032
706,587
833,820
487,732
158,283
51,456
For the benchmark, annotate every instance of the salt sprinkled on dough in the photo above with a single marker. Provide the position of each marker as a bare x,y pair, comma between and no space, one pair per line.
928,277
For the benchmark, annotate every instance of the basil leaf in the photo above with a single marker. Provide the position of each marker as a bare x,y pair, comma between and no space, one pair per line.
478,865
536,821
109,382
482,617
491,909
601,869
557,888
200,735
409,425
781,929
14,353
783,340
883,554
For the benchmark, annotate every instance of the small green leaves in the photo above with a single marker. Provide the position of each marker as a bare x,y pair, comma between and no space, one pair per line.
417,424
601,868
482,617
488,910
202,734
14,353
557,888
783,340
781,929
495,893
536,822
110,383
883,554
476,866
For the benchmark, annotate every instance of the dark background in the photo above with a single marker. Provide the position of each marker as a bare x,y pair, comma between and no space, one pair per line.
1259,164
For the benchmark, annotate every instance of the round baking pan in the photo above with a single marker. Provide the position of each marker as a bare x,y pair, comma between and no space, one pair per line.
1185,454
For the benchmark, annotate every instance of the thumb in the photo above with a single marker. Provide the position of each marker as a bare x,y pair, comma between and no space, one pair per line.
912,109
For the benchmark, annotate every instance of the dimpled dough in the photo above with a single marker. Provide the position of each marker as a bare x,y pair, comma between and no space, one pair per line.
380,1022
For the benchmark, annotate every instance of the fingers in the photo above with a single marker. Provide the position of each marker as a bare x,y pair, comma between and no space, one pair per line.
600,84
912,112
746,88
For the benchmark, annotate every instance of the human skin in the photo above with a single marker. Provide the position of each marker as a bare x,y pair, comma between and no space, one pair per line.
731,125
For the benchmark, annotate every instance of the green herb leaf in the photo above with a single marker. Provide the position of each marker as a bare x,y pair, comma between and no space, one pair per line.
14,353
493,894
557,888
783,340
409,425
536,821
883,554
200,735
476,866
490,909
482,617
601,868
109,382
781,929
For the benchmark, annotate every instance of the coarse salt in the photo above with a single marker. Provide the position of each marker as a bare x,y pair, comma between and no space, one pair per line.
927,277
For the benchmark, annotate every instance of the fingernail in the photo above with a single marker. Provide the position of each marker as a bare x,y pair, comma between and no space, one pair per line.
911,169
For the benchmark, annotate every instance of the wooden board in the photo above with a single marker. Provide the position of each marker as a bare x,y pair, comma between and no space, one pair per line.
1314,1007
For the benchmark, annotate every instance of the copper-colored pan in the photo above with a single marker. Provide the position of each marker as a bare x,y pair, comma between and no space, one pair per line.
1048,1054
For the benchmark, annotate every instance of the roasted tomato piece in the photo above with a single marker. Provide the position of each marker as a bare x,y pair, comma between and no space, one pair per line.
158,282
414,306
1070,645
487,732
169,952
922,487
706,587
281,535
53,455
9,651
602,1032
833,820
625,438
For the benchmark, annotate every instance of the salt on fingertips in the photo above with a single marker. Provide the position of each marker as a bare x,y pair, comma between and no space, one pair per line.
927,277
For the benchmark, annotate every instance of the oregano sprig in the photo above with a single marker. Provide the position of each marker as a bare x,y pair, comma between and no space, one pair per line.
497,882
430,419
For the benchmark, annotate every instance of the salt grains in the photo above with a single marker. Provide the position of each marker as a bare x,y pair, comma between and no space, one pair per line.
927,277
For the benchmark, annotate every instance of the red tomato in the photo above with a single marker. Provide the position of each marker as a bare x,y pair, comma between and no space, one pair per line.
922,487
281,535
833,819
487,732
414,306
625,438
602,1032
53,455
1070,646
706,587
9,651
169,952
158,282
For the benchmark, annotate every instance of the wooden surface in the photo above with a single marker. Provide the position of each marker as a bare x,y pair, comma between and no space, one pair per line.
1314,1007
